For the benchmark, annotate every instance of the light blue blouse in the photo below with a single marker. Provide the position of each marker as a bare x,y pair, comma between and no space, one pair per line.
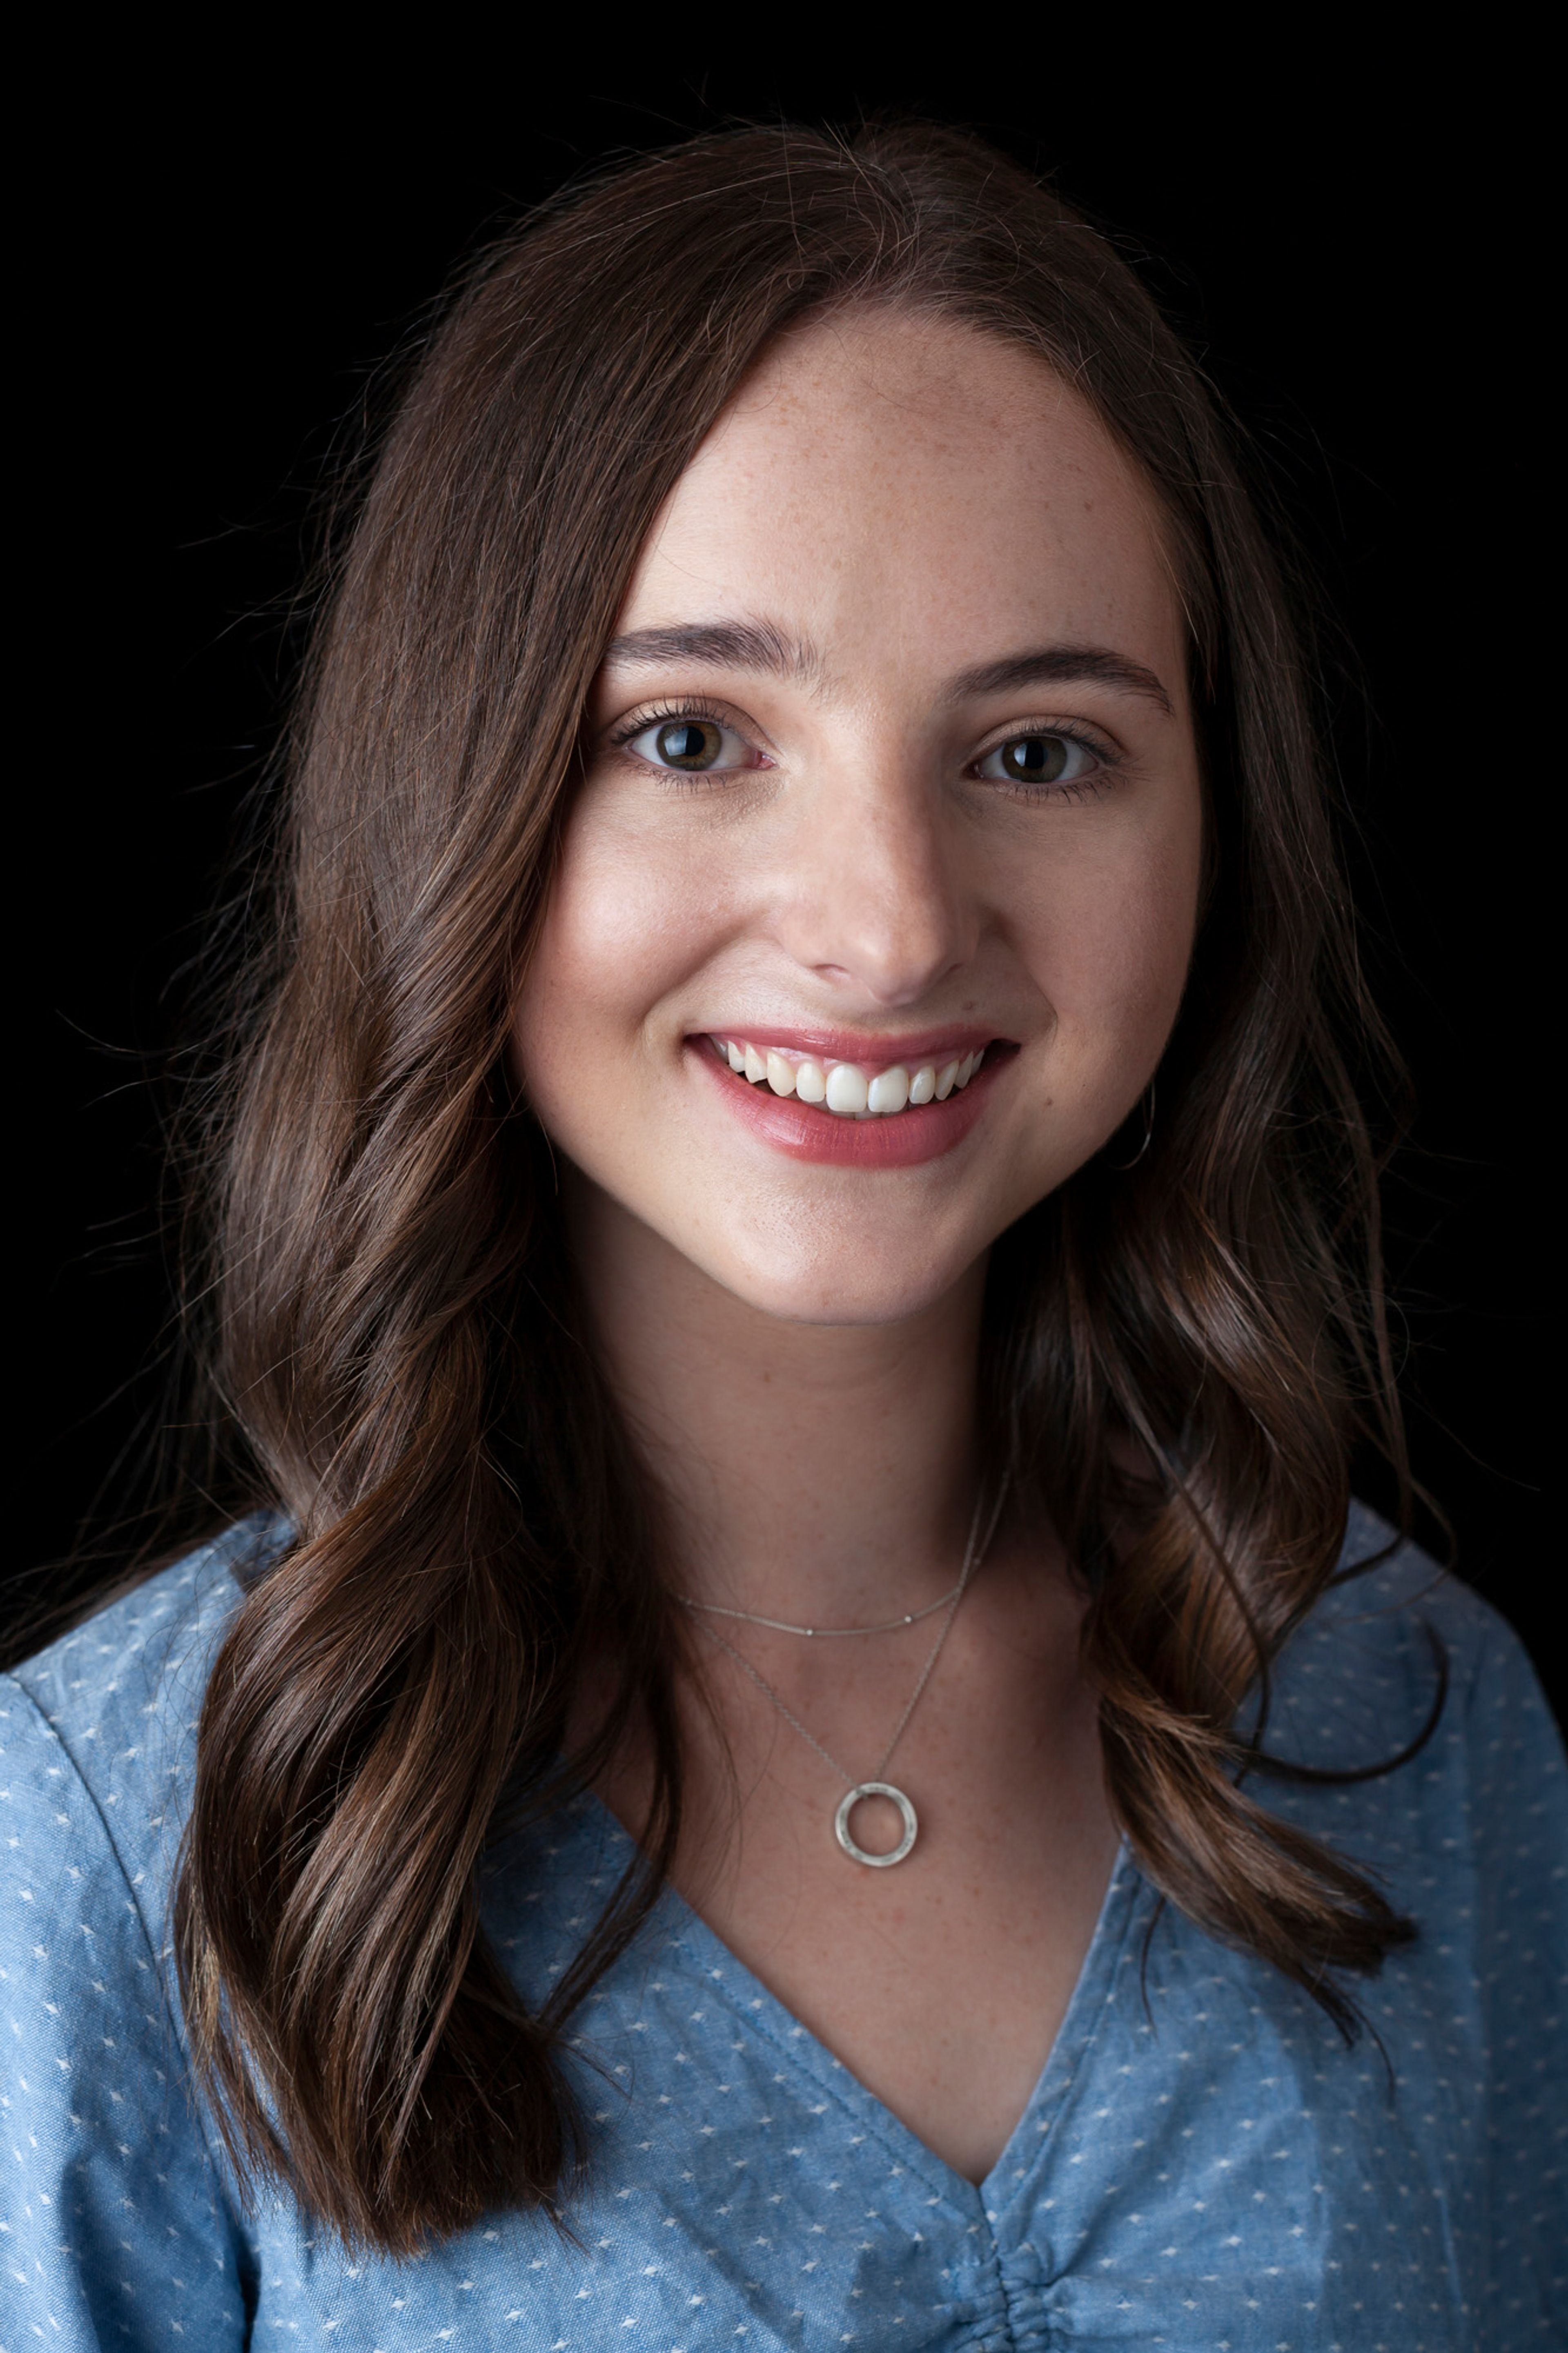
1202,2165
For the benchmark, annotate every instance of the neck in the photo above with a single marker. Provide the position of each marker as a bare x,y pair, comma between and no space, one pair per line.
819,1474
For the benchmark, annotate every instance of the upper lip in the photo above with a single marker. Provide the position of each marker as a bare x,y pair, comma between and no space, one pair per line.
857,1045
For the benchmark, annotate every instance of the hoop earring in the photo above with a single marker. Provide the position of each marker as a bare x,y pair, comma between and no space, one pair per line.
1122,1167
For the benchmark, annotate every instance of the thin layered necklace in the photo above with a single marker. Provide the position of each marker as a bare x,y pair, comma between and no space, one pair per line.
877,1785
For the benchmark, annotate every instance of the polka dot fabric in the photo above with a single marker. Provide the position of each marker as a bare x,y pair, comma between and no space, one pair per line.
1203,2165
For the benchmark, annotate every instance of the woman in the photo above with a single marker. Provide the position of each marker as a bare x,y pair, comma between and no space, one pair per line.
801,1743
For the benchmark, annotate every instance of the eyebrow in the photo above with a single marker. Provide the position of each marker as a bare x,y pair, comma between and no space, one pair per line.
1061,666
721,645
763,645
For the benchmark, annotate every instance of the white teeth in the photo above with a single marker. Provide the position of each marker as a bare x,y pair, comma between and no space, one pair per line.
888,1091
844,1087
847,1090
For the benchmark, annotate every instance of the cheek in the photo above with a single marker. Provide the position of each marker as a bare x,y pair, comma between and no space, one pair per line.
622,926
1109,939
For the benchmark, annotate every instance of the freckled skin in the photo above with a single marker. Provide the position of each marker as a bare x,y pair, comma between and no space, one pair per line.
912,513
795,1344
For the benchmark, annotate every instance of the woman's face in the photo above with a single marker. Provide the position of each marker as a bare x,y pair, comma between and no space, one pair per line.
891,799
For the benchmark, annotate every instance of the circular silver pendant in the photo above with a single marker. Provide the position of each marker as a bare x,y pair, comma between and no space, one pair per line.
858,1854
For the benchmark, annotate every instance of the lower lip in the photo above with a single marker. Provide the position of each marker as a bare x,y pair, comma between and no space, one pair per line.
900,1140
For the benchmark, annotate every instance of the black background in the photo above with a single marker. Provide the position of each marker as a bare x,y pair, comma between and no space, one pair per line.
221,263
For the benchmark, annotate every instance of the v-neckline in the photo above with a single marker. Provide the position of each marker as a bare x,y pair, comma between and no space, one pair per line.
761,2009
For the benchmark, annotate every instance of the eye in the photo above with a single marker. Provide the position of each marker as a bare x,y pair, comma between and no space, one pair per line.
1034,761
691,746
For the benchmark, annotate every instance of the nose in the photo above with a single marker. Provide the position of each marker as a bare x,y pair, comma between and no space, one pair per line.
874,900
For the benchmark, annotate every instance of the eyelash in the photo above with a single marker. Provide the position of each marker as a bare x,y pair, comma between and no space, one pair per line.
1077,790
668,714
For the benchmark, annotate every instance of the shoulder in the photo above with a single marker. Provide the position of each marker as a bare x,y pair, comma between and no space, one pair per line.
114,1704
1435,1757
115,2199
142,1645
1392,1631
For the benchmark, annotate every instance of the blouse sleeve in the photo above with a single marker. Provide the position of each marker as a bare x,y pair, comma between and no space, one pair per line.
1518,1883
114,2229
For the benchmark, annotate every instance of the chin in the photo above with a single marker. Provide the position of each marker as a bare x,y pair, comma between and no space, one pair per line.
846,1285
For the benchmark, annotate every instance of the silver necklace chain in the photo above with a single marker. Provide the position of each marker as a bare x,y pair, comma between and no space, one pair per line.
975,1553
820,1633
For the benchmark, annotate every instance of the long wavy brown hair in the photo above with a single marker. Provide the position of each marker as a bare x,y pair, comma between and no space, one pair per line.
395,1334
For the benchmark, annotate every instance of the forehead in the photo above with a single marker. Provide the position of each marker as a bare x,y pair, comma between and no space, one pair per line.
883,477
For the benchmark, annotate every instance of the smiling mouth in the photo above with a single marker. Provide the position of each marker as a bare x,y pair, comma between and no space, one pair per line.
853,1090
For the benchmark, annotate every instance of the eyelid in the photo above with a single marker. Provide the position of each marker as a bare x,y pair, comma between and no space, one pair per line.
672,708
669,710
624,736
1073,731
